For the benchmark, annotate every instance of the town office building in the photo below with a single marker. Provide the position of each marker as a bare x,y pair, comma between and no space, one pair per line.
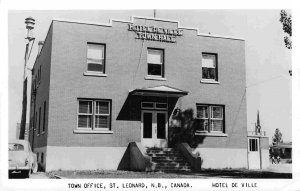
98,87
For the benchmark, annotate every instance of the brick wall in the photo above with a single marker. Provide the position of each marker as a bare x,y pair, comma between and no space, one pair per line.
43,61
126,68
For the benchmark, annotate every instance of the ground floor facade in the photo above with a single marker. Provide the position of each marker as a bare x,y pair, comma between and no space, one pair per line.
99,140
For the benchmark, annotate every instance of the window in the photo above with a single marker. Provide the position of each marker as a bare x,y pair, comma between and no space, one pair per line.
209,66
35,124
40,74
36,83
39,129
253,145
94,114
15,147
42,158
154,105
44,117
155,60
210,118
147,105
37,156
95,58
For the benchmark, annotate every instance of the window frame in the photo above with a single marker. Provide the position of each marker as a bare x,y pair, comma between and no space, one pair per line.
35,124
40,76
154,105
44,117
162,64
103,59
106,115
93,114
256,145
39,128
210,118
216,67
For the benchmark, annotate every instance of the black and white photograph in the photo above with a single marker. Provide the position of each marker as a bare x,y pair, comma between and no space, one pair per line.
149,99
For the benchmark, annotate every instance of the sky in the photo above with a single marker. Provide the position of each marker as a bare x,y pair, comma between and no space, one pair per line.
268,83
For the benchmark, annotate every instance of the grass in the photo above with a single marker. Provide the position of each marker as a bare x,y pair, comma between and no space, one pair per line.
204,173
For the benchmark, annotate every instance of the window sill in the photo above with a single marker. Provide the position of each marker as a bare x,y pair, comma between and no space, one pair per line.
94,74
155,78
211,134
79,131
209,81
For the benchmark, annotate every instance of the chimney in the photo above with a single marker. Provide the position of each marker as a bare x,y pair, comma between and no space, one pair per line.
41,43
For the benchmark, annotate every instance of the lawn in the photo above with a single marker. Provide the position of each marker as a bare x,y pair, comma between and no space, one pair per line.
205,173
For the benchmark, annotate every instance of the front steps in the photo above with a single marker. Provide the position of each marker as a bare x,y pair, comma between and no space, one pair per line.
168,160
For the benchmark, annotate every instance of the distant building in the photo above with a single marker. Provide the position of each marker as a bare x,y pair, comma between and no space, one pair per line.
18,131
258,147
284,150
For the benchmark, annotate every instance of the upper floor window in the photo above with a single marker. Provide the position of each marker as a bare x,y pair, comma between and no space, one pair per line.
155,60
95,58
211,118
94,114
209,66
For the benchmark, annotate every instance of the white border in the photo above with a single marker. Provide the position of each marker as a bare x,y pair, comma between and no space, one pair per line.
264,184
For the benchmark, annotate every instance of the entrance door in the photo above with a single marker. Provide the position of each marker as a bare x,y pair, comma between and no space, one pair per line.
154,129
253,153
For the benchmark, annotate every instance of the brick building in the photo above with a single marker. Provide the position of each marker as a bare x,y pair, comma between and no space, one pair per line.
97,87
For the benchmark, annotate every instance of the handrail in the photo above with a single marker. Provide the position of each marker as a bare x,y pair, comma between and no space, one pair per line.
255,133
139,160
194,159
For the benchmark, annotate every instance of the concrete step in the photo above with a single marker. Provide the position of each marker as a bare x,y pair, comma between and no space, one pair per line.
172,165
168,169
167,157
154,159
168,160
161,149
174,170
164,154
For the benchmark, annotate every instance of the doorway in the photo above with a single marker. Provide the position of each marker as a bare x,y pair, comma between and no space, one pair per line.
154,128
254,153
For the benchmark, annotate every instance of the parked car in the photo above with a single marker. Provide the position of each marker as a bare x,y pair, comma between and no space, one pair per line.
21,159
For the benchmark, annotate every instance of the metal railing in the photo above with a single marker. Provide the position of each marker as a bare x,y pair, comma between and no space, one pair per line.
255,133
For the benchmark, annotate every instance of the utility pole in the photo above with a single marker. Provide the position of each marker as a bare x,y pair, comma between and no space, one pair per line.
154,13
30,22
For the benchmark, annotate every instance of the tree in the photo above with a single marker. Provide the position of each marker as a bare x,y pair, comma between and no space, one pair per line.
286,20
277,138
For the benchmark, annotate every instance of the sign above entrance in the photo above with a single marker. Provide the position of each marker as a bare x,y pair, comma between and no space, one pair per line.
155,33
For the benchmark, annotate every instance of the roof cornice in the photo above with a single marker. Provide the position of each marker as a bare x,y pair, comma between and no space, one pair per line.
109,24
